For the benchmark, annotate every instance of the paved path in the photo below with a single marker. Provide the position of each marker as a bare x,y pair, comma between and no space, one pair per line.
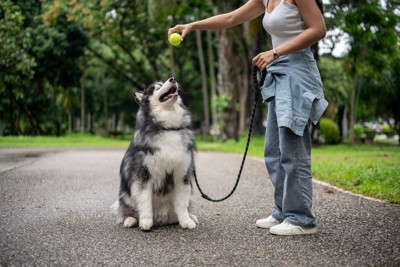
54,211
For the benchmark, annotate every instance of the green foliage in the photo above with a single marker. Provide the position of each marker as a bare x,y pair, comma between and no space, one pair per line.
389,131
336,83
16,65
221,102
372,28
57,50
53,50
359,130
330,131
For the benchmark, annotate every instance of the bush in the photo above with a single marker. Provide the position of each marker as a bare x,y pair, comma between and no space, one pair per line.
330,131
370,133
388,131
359,131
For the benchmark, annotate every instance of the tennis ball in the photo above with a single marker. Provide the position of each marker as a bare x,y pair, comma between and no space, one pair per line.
175,39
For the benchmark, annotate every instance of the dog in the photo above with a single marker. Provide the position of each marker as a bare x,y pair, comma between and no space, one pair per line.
158,167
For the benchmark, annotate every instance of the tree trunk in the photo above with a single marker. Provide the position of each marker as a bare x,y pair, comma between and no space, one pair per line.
105,100
212,75
22,107
226,85
353,107
342,121
69,122
82,107
206,111
330,112
11,113
258,127
243,81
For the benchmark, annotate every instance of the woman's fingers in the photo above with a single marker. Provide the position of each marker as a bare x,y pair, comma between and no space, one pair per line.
259,62
173,30
255,59
262,60
182,29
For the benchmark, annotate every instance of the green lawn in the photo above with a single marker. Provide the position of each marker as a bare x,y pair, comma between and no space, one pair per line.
365,169
73,140
369,170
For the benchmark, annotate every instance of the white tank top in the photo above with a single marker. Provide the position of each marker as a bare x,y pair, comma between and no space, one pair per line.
283,23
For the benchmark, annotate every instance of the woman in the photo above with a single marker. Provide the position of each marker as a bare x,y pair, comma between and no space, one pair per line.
293,90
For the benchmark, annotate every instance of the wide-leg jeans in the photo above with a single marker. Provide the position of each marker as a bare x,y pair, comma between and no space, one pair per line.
288,160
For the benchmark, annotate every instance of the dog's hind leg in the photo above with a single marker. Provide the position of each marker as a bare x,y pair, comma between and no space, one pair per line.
125,213
130,222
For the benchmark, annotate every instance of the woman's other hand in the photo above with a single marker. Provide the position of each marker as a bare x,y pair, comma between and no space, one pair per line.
263,59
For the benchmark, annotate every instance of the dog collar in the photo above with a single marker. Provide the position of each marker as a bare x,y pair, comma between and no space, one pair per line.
174,128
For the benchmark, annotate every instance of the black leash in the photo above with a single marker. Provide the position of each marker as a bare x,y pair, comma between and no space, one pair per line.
257,86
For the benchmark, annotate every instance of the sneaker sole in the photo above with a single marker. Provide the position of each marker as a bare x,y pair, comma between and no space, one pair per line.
265,226
309,231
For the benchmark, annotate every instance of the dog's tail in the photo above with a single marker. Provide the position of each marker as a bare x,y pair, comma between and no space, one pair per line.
115,209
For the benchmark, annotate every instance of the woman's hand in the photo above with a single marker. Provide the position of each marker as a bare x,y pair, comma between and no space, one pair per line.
263,59
180,28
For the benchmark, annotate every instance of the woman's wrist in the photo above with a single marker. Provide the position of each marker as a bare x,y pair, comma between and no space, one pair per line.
191,26
275,53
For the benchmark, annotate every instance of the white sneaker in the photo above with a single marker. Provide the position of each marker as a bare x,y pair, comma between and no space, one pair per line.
286,228
267,222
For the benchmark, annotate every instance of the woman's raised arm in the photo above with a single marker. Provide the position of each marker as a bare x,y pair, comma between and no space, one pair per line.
247,12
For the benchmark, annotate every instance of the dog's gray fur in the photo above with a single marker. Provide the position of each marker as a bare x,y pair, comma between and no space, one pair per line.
158,167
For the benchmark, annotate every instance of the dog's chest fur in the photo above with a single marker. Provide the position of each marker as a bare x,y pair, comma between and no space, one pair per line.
171,155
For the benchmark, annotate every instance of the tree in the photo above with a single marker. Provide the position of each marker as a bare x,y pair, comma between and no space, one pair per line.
372,32
336,89
16,65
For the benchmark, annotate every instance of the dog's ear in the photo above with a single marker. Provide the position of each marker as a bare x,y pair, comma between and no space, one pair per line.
138,96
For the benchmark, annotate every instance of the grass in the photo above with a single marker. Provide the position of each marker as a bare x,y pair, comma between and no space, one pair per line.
364,169
371,170
71,140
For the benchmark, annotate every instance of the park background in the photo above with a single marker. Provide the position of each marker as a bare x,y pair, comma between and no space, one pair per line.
68,70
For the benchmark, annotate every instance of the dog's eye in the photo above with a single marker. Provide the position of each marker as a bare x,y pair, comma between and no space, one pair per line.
158,86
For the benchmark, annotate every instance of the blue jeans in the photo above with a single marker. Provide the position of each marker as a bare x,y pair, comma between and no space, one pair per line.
288,160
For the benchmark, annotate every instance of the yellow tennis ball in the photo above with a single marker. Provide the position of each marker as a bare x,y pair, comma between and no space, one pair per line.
175,39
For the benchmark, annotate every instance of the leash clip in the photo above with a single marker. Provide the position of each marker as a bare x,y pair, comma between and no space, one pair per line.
258,83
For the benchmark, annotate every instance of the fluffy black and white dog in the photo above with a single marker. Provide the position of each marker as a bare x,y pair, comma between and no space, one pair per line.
158,167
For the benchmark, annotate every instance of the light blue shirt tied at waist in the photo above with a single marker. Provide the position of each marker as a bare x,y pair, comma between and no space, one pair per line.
294,82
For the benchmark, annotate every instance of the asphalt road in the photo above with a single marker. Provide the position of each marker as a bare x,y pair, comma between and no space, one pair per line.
54,211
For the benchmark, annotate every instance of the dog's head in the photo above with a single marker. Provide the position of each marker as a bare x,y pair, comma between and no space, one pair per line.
160,94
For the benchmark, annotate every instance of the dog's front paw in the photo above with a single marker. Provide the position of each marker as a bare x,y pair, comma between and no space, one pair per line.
130,222
194,218
188,224
145,224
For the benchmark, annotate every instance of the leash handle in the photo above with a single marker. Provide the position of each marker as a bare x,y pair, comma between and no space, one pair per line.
257,85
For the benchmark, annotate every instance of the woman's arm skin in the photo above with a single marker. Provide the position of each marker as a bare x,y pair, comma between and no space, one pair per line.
312,17
247,12
315,31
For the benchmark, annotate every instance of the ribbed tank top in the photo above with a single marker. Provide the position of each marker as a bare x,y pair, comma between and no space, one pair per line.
283,23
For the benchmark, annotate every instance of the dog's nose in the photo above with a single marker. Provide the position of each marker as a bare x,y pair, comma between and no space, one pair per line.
172,80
